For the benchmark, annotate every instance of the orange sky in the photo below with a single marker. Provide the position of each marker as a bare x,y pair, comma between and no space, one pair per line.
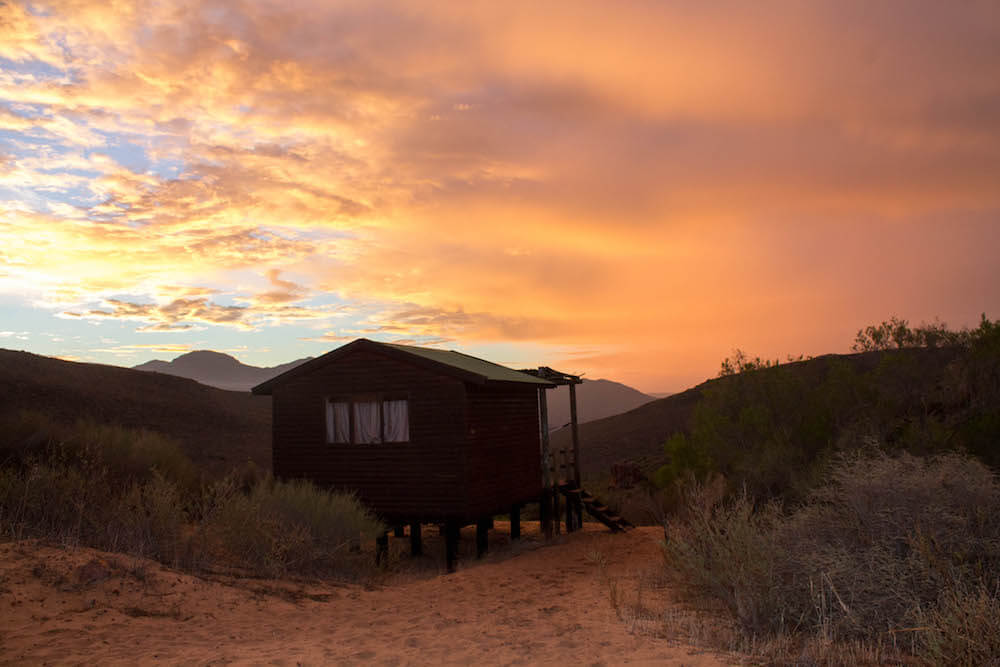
629,191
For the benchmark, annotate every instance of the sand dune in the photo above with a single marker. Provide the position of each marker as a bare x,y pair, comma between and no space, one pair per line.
531,603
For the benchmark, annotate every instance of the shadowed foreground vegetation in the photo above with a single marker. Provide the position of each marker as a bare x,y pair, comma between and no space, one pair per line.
851,512
896,555
136,492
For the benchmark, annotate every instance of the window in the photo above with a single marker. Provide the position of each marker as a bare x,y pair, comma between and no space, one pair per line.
367,420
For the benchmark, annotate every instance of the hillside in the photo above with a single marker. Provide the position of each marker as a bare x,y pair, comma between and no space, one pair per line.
217,369
595,399
639,434
218,429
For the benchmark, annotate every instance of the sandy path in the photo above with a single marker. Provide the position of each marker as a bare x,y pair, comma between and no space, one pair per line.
525,605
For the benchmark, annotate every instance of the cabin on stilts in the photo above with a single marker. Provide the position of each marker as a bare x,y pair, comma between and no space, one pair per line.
424,436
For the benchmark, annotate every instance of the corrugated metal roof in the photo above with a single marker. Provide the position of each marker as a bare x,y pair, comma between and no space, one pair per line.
487,369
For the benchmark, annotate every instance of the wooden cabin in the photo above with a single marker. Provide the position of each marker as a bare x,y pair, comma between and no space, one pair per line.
421,435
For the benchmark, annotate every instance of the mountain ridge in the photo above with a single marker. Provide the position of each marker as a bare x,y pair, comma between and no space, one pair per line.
217,369
596,399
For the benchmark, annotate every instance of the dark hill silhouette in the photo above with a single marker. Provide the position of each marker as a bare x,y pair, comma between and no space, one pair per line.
218,429
217,369
595,399
639,434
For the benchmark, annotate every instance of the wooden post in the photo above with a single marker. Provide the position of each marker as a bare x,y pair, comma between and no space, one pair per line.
483,536
453,531
555,507
515,522
546,500
381,548
575,433
416,545
397,531
570,519
545,511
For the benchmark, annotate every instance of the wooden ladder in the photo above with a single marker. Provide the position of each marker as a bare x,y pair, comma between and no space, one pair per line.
594,507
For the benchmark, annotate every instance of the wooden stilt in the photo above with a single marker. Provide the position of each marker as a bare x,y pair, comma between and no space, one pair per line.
545,512
416,545
397,531
453,531
483,536
515,522
381,548
574,433
570,518
555,509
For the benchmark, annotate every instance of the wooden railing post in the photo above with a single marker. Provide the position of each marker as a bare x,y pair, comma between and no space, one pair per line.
545,511
575,432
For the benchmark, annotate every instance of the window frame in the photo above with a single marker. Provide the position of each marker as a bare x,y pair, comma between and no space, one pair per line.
379,398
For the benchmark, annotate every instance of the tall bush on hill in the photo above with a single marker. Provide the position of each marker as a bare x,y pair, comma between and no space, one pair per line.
763,424
770,427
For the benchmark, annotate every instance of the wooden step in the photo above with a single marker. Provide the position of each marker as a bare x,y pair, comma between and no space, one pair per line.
593,506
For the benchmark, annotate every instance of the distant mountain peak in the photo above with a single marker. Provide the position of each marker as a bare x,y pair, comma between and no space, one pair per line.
207,354
217,369
595,399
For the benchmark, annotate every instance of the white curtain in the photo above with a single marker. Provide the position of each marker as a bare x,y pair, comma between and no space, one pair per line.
396,420
366,424
338,422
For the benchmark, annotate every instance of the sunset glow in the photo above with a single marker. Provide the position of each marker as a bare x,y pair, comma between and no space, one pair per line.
626,190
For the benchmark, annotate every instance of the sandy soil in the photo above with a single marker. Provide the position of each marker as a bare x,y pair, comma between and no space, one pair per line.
527,603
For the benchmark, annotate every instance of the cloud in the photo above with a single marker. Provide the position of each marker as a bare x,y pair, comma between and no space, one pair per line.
685,179
439,323
286,291
129,350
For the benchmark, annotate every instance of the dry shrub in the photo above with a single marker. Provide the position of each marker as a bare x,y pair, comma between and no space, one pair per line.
887,536
294,527
893,553
78,506
136,492
964,628
123,454
725,550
